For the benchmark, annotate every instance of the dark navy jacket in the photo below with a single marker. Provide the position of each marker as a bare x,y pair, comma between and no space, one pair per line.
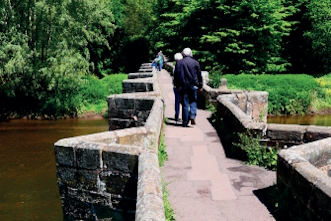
187,72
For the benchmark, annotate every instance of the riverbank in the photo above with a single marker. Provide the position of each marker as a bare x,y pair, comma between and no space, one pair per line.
289,94
88,101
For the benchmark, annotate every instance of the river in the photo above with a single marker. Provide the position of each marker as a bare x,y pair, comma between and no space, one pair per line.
321,120
28,187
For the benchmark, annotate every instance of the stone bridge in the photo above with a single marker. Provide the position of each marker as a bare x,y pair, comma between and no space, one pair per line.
115,175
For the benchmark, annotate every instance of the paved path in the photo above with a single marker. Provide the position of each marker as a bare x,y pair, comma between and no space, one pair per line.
203,183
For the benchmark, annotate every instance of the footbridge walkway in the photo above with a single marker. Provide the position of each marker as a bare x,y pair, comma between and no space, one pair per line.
203,183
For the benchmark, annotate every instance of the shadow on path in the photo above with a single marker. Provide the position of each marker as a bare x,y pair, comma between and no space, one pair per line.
227,139
282,205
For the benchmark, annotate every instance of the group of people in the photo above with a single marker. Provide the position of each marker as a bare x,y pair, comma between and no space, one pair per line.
158,61
187,82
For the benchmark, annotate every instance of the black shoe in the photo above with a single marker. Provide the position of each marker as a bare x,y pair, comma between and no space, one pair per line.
192,121
185,125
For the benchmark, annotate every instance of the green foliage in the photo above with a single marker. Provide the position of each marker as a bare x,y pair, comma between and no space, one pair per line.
288,94
163,157
211,108
319,13
257,154
162,154
95,91
168,210
250,34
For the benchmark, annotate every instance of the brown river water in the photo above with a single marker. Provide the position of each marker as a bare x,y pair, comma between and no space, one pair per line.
28,188
321,120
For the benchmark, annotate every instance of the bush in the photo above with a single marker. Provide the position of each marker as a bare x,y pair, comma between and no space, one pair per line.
257,154
288,93
95,91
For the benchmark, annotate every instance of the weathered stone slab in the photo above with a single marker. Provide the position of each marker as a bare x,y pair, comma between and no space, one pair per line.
65,155
89,179
123,184
146,70
307,182
88,155
140,75
318,132
286,132
119,162
67,176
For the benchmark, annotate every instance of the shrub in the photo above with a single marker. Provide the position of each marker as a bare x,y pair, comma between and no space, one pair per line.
95,91
257,154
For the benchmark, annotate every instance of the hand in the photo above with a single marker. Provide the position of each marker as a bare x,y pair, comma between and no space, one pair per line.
200,90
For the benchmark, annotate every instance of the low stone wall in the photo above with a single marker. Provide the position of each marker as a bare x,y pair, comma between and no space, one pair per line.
140,75
115,174
146,84
302,169
283,135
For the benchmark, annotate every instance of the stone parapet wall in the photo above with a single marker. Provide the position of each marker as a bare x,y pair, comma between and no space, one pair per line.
115,174
140,75
148,83
283,135
299,169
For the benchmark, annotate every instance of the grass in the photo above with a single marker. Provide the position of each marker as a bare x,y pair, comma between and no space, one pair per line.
95,92
163,157
323,103
288,93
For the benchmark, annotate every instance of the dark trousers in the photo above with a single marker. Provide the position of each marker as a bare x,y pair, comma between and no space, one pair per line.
189,95
177,100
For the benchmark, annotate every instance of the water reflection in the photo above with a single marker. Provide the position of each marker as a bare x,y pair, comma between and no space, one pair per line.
28,187
321,120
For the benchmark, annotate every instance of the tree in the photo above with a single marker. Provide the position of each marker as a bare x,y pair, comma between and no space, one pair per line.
249,37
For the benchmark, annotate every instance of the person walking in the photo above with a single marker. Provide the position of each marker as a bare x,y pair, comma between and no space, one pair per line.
188,81
177,57
160,60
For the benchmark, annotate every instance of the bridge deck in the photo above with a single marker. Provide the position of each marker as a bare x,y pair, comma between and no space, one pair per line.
203,183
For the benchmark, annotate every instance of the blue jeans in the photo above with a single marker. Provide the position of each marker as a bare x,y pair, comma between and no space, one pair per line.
176,92
189,96
160,66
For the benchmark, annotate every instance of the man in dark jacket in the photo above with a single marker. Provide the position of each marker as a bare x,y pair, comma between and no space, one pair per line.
188,81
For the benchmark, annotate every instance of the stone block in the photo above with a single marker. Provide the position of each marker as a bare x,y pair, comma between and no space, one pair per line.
302,181
145,70
320,201
132,136
120,162
88,155
287,132
143,104
88,179
124,184
67,176
116,123
65,155
317,133
122,103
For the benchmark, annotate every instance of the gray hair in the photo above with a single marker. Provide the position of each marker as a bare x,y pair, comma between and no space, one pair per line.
178,56
187,52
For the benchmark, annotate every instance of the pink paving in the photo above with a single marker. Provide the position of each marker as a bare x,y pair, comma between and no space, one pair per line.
203,183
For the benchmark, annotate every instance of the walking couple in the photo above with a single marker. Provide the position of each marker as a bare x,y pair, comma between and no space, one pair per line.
187,82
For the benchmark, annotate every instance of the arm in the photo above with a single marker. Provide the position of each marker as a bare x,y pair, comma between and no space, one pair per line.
179,75
198,69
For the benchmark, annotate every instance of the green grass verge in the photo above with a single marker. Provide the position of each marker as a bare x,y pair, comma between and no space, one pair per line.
288,93
163,157
95,91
